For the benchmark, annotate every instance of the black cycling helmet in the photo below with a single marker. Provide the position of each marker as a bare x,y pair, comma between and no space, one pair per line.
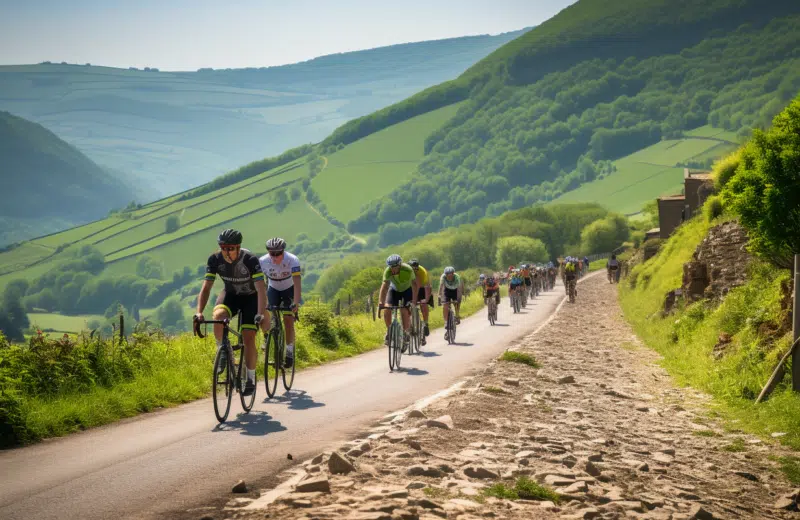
230,236
276,244
413,263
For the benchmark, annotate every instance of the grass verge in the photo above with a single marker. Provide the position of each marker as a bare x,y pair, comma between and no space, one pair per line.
117,382
750,314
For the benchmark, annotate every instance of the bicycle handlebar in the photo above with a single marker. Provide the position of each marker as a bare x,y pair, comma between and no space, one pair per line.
197,324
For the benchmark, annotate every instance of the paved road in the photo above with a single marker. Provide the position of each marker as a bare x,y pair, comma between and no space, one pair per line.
179,458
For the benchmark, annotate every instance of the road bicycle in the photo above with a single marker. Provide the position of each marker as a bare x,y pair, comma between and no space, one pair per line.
417,332
395,344
613,274
492,310
516,300
228,376
275,350
452,323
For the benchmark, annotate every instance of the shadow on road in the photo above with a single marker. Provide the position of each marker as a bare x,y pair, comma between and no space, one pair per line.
296,400
429,354
414,371
463,344
502,324
253,423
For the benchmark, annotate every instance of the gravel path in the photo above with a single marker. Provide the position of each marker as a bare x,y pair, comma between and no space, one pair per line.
600,423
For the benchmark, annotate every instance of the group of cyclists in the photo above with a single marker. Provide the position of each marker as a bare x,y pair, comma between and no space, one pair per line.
253,284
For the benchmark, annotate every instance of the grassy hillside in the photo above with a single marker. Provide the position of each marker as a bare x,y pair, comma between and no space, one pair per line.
652,172
46,180
173,129
546,112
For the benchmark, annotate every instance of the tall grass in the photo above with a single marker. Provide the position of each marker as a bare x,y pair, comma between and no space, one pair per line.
50,388
750,314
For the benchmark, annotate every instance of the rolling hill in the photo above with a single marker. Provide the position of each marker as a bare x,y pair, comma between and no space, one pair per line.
48,183
171,130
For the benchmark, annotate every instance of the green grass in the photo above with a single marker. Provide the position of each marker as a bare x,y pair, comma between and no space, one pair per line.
790,467
716,133
646,174
687,338
705,433
375,165
525,489
519,357
494,390
737,446
61,323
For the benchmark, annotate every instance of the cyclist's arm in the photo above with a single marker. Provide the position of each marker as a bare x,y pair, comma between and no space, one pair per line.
382,296
428,290
297,288
414,291
441,288
460,290
261,290
202,298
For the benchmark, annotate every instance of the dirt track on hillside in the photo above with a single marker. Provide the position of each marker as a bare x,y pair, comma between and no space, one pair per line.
600,422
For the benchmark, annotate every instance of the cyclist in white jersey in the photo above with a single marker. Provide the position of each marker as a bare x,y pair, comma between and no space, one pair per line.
282,269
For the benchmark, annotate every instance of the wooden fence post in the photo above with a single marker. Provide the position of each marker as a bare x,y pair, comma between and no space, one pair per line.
796,326
338,306
121,328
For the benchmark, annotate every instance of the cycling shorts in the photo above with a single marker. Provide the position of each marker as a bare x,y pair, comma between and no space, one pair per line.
278,298
400,298
234,303
528,282
451,294
421,297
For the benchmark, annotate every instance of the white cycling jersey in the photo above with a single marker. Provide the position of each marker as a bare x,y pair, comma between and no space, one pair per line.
280,275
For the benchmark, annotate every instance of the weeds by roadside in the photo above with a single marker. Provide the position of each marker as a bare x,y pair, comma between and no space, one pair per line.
518,357
525,489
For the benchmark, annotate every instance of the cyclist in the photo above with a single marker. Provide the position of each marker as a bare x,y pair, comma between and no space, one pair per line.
400,284
525,271
586,265
450,289
283,272
571,271
424,295
244,291
515,283
612,266
491,289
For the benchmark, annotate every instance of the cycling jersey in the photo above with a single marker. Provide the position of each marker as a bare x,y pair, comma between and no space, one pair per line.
526,273
491,286
281,274
613,264
455,283
516,279
240,276
422,273
401,281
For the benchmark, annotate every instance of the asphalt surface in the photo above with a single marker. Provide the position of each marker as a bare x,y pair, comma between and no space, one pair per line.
157,464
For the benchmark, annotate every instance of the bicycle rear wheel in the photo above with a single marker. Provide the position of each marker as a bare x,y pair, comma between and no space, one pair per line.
398,346
222,386
288,373
413,343
247,400
272,362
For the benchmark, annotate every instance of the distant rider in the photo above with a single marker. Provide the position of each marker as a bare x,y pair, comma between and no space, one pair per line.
424,296
400,285
450,289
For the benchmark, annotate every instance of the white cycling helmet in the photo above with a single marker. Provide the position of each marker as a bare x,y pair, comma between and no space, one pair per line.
449,270
394,260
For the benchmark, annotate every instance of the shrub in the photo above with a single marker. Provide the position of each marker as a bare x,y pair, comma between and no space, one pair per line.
713,207
319,320
172,224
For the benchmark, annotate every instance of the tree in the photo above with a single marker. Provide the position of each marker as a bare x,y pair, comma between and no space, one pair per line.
295,193
604,235
764,193
281,200
170,313
515,249
172,224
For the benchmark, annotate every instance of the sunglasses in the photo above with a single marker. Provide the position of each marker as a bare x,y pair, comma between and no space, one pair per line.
229,249
275,253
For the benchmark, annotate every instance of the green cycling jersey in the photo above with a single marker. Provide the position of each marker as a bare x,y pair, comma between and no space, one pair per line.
401,281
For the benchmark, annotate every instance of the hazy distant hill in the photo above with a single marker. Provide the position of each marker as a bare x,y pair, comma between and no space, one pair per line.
173,130
47,184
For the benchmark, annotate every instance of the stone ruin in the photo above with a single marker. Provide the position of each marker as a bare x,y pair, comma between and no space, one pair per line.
719,263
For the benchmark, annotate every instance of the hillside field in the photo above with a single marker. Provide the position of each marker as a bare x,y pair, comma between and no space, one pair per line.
651,172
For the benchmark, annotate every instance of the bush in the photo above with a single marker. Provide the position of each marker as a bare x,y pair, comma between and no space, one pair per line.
713,207
724,169
512,250
763,192
320,321
605,235
172,224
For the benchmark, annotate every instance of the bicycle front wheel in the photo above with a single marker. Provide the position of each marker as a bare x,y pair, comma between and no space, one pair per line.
272,362
288,373
222,386
392,344
247,400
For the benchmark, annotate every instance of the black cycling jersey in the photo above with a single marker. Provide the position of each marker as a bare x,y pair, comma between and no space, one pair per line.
240,276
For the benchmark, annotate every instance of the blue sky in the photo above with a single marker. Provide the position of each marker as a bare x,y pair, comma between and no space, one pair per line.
188,34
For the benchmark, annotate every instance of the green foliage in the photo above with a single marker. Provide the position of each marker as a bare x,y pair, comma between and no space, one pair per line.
148,267
171,314
172,224
725,169
517,249
764,191
713,207
603,236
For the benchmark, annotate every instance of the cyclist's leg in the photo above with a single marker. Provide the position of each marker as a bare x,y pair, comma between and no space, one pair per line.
273,299
285,298
249,308
227,306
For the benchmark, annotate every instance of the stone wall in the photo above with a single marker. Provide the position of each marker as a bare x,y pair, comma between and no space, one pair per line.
719,263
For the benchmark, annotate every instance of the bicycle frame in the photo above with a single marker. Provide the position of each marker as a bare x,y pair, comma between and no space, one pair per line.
395,335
